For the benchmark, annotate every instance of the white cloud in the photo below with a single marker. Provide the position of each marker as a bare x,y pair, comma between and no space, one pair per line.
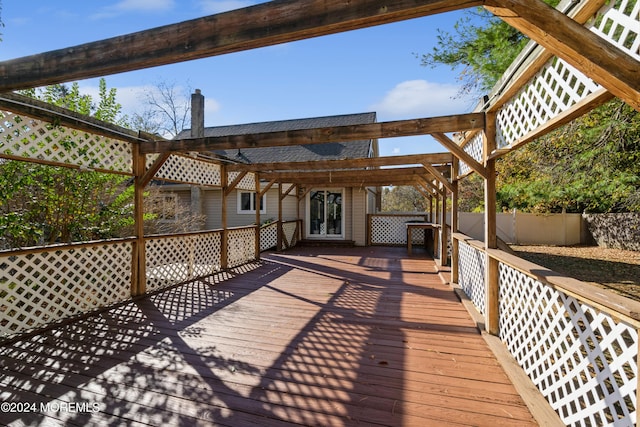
420,98
219,6
125,6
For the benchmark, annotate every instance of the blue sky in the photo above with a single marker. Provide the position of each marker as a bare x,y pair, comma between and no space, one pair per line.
374,69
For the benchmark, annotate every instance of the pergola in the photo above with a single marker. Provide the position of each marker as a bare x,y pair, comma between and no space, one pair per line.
582,54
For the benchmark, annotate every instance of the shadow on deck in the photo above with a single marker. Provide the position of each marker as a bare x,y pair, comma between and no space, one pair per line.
313,336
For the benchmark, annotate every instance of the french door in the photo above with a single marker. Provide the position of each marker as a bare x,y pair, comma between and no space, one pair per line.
325,218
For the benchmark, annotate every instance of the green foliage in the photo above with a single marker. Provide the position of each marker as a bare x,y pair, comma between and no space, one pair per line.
482,45
592,164
46,204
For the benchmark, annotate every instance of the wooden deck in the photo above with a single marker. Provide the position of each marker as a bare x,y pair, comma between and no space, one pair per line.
313,336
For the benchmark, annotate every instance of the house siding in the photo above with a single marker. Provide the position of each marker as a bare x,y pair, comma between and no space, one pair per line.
213,211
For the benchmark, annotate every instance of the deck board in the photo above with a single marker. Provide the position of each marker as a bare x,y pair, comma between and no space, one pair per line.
314,336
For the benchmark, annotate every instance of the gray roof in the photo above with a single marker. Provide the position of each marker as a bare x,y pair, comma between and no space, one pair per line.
297,153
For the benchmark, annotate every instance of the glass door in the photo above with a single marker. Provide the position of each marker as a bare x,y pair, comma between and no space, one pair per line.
325,213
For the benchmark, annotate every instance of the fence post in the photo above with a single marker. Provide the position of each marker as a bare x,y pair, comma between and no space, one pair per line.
454,222
138,265
490,227
224,247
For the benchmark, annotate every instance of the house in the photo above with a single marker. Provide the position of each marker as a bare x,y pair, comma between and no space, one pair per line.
327,212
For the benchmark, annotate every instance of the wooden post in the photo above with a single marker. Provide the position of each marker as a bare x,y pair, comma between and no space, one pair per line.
444,254
258,207
224,256
138,266
279,228
455,246
490,229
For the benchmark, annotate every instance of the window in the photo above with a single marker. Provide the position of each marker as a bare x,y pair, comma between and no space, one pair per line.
247,203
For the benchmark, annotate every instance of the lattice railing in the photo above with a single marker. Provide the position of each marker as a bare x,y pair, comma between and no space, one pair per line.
187,170
392,229
45,285
28,138
582,356
471,272
268,236
241,245
176,259
583,361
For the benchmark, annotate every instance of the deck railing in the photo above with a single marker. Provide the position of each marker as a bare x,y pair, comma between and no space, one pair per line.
290,235
45,285
576,342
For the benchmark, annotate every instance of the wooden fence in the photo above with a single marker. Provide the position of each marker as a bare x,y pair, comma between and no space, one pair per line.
45,285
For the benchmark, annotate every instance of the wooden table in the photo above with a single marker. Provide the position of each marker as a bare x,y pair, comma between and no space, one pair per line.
424,226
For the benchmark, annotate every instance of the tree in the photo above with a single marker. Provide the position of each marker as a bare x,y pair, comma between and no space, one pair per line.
403,199
168,110
482,45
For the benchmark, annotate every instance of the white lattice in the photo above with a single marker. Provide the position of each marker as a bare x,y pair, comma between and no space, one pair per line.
471,274
556,88
619,24
474,148
51,284
582,360
241,243
392,230
268,236
248,182
187,170
25,137
289,229
177,259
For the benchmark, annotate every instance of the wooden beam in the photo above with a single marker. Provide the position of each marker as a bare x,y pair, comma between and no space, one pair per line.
369,162
265,24
286,193
323,135
340,175
460,153
439,176
598,59
235,182
155,167
266,188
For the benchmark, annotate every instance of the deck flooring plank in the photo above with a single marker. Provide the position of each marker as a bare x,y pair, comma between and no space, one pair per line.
322,336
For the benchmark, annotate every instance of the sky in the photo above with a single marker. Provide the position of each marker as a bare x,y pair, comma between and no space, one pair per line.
374,69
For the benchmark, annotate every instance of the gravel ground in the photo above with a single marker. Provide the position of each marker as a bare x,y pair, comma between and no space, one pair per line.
615,269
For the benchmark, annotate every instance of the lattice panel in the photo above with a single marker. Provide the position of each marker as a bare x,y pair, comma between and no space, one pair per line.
474,148
582,360
269,236
556,88
176,259
25,137
289,230
248,182
188,170
47,286
241,246
471,274
392,230
619,24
